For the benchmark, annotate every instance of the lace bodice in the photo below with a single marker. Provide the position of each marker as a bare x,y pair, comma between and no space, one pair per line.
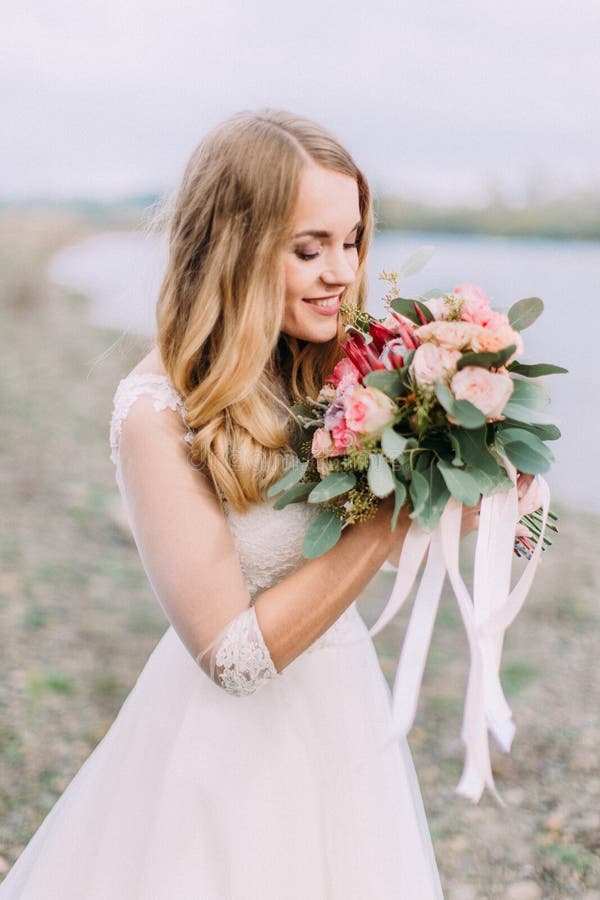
269,548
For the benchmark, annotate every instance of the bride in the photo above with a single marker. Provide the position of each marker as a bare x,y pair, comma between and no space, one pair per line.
251,759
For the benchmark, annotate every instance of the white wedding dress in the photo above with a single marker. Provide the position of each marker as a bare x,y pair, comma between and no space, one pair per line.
252,785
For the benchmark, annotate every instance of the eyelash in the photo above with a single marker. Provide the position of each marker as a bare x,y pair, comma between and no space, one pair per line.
308,256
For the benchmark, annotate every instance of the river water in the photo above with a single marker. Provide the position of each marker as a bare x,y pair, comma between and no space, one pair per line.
120,272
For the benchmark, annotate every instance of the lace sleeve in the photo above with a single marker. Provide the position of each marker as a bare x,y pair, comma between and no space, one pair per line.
238,659
183,536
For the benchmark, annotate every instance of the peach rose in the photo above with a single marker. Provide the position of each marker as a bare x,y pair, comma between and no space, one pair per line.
451,335
432,363
368,410
497,335
488,391
322,443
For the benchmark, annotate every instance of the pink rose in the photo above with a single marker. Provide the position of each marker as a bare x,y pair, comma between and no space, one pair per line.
343,439
488,391
475,306
368,410
432,363
451,335
497,335
322,443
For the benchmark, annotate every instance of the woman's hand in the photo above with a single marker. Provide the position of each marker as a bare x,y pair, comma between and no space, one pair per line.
470,519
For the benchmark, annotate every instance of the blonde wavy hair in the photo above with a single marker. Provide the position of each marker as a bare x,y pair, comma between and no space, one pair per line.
222,299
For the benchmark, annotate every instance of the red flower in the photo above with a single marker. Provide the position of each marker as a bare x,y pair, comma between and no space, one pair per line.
406,331
361,354
380,334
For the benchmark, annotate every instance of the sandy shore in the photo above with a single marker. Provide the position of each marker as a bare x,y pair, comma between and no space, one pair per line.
78,619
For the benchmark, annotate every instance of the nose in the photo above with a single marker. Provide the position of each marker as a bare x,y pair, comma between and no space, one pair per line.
340,269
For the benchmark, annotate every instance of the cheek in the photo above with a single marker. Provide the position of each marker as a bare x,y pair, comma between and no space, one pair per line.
297,280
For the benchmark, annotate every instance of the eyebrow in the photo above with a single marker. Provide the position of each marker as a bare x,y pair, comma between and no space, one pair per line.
323,234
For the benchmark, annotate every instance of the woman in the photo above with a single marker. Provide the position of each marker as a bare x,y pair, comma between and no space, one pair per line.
291,790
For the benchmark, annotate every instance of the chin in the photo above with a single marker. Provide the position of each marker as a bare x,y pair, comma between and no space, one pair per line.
314,332
314,335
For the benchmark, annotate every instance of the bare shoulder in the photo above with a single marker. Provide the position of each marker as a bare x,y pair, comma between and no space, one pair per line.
151,364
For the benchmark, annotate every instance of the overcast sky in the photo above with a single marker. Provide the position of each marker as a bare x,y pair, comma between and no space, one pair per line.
436,99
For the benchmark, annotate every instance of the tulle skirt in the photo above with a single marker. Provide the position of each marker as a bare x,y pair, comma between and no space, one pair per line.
291,793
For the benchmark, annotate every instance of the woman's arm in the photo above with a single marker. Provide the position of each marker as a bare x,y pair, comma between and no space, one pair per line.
329,583
191,560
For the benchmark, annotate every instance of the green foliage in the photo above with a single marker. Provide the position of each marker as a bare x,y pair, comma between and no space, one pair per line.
399,500
523,313
296,494
335,484
287,479
486,360
536,370
385,380
406,307
392,443
525,450
460,483
322,534
379,475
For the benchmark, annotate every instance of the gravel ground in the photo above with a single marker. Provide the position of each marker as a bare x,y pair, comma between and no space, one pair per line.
79,621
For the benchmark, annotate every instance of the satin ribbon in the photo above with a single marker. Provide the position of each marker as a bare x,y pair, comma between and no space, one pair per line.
486,616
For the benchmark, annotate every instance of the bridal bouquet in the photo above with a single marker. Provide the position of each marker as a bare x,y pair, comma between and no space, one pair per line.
432,406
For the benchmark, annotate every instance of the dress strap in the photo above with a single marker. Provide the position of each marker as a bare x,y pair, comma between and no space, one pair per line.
129,389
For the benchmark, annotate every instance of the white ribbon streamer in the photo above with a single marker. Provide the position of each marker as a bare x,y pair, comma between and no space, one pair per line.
486,616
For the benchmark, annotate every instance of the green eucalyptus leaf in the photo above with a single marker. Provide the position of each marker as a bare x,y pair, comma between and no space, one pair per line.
458,460
406,307
335,484
477,456
525,414
437,498
529,393
444,395
544,432
416,261
460,483
386,381
292,476
419,492
379,475
510,436
486,360
295,494
467,415
322,534
523,313
392,443
399,500
536,370
526,459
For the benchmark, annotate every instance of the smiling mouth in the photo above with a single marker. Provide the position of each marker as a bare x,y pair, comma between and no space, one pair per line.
323,301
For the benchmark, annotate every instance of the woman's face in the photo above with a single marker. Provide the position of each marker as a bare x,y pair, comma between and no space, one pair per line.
322,257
